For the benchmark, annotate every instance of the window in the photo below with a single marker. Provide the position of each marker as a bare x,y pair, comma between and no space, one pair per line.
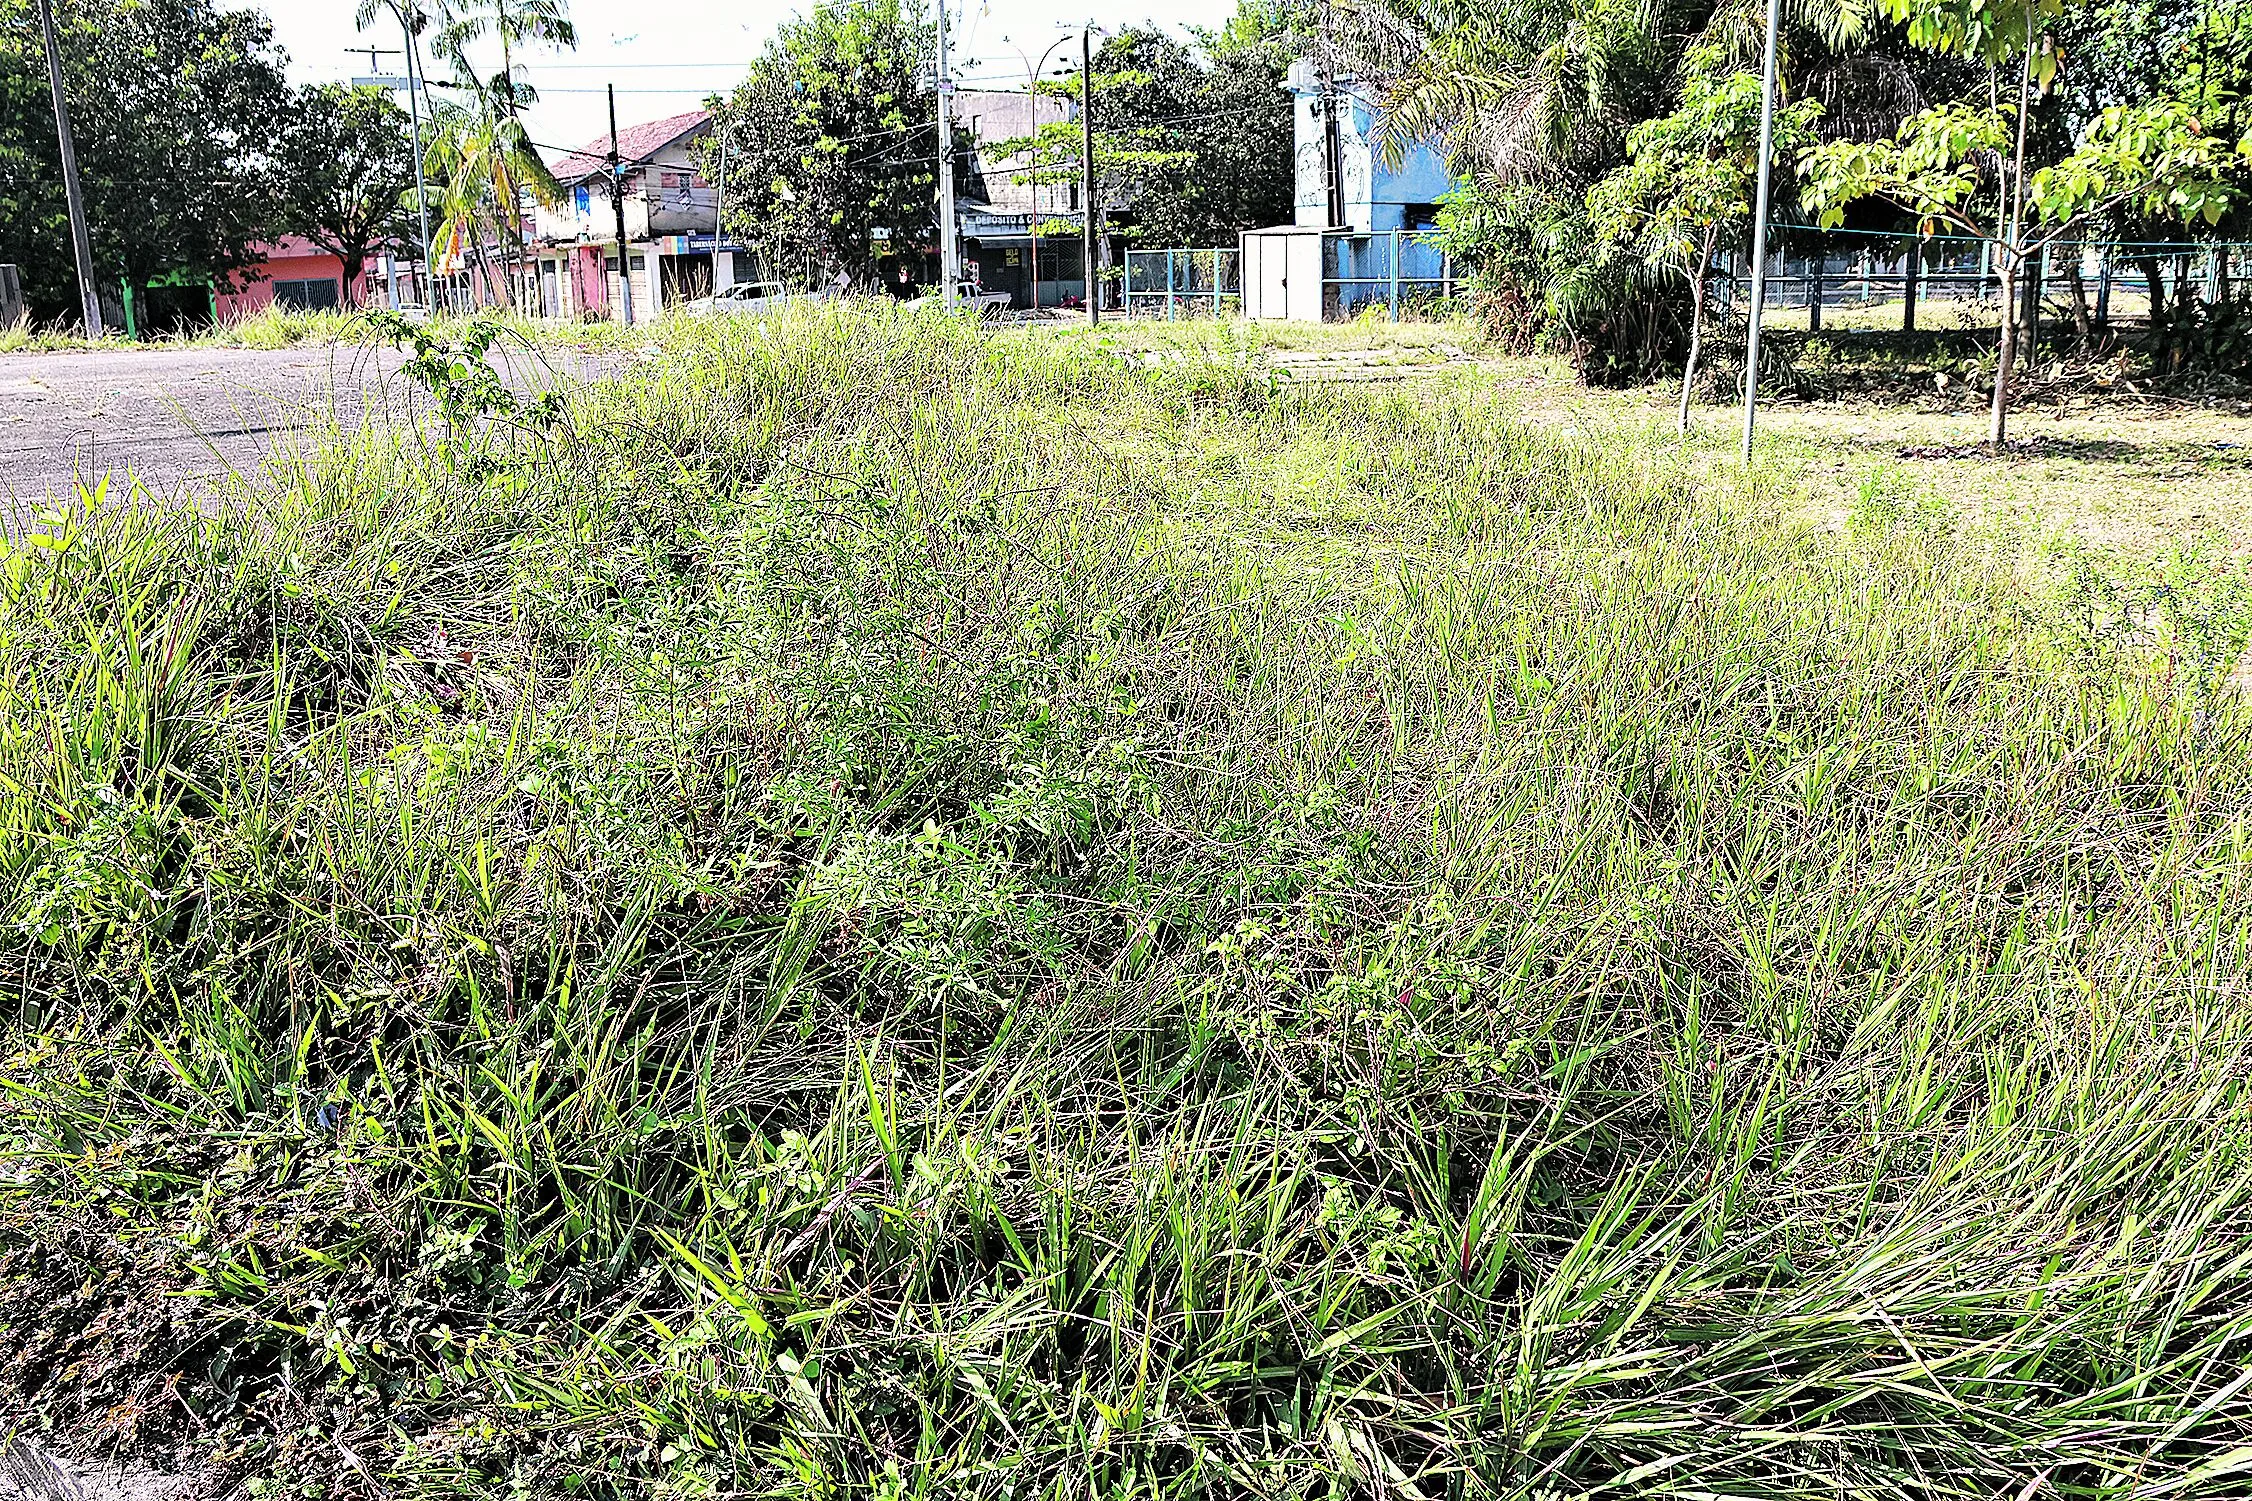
583,199
1420,216
308,296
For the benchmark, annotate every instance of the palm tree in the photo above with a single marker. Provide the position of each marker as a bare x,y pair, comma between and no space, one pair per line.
514,23
486,163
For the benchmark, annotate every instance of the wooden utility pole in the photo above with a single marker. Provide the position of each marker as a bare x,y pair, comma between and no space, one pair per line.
1087,172
618,205
90,300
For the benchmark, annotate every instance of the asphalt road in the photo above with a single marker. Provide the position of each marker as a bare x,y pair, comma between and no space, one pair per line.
174,418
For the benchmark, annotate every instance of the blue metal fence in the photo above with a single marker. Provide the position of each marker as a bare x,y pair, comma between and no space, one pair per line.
1183,283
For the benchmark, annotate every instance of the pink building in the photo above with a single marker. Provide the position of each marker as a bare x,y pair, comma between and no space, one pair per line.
295,273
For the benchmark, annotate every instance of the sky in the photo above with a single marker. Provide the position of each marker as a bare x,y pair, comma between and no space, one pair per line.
666,55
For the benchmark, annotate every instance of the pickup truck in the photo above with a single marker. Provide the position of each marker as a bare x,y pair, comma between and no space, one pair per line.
967,298
753,298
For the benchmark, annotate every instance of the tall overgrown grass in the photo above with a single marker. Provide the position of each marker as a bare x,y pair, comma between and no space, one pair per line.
891,910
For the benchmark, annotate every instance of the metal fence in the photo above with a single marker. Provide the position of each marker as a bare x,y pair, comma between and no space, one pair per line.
1864,269
1183,283
1388,268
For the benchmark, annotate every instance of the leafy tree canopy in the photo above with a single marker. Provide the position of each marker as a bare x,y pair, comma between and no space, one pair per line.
1193,139
342,172
831,141
172,106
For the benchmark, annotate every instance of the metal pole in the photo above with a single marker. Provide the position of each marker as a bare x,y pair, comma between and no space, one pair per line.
946,247
1759,227
1395,276
421,193
719,210
1087,171
90,300
1032,101
618,205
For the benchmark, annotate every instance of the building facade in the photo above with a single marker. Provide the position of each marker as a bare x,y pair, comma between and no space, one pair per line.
1003,220
671,212
294,273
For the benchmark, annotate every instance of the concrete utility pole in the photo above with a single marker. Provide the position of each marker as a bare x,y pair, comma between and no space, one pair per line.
421,193
1332,138
618,204
1759,231
90,300
946,248
1087,173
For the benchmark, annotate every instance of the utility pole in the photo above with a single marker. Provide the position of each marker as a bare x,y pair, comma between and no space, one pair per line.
89,299
719,210
390,258
1332,138
946,249
618,204
1759,229
1087,172
421,193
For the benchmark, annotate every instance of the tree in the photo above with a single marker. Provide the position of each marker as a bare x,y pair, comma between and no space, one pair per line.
486,164
1689,181
1964,167
1533,102
341,167
832,139
170,105
1196,143
515,24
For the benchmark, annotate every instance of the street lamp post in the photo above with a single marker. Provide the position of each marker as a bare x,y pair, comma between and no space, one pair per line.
1032,72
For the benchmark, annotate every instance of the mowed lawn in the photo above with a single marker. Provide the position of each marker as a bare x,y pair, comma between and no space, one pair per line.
874,907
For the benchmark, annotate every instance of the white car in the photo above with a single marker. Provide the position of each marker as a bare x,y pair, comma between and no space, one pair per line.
754,298
967,298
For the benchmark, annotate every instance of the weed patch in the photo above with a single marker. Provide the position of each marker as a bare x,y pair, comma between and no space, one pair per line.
892,909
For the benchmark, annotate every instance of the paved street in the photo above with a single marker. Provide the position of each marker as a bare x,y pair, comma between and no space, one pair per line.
173,417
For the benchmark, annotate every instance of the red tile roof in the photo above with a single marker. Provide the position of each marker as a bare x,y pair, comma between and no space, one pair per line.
636,143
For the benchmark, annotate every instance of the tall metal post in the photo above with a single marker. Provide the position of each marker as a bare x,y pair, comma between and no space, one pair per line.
946,246
90,300
618,206
1087,172
1759,227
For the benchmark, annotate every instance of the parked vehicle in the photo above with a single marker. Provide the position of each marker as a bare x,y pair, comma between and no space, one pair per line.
752,298
967,298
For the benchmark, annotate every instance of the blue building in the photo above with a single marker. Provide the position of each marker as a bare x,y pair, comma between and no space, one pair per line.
1375,197
1362,230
